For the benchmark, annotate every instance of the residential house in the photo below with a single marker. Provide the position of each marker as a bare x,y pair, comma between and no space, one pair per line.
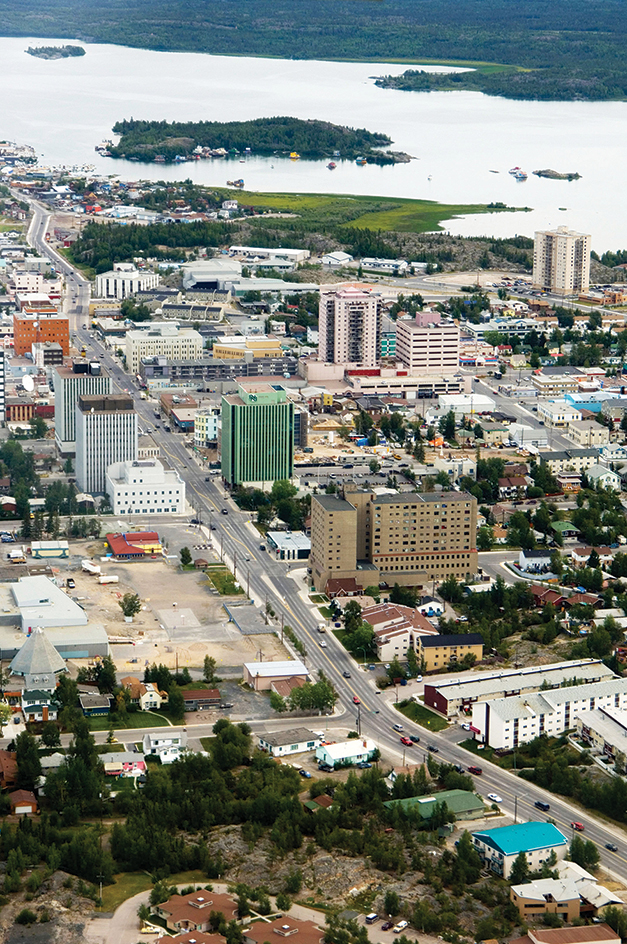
38,705
292,741
396,629
8,769
535,562
345,753
581,555
499,848
590,934
167,746
565,528
599,475
302,932
23,802
191,912
513,487
145,695
569,481
95,705
324,802
543,595
196,937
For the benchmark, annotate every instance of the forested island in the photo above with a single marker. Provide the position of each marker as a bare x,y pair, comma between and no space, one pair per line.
55,52
280,137
574,48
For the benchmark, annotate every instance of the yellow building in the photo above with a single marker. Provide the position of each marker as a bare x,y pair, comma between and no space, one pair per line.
439,651
235,348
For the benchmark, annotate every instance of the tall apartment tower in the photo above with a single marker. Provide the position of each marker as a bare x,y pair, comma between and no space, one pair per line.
106,432
257,436
81,379
426,344
561,261
349,326
3,371
410,539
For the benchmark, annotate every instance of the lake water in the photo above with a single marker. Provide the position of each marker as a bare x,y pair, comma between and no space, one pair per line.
63,108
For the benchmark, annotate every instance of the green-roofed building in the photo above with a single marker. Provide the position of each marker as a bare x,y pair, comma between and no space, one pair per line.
566,528
463,803
257,436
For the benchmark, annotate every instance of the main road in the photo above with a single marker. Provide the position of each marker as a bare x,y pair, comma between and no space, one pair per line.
237,539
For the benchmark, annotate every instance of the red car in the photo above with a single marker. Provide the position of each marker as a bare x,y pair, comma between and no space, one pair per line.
356,700
577,826
407,741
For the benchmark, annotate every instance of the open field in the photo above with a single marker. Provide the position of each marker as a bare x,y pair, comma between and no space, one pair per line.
422,716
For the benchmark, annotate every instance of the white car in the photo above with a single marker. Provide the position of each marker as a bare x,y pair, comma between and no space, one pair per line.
322,644
399,927
495,798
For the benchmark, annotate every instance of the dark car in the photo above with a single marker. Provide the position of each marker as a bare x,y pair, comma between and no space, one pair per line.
433,748
414,738
262,547
346,673
386,925
226,704
326,768
304,773
225,511
542,805
611,846
195,521
363,765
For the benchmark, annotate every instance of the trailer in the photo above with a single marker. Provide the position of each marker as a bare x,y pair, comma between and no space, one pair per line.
90,568
110,579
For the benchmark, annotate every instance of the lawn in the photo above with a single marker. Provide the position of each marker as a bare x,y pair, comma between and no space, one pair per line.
325,611
137,719
128,884
422,716
224,582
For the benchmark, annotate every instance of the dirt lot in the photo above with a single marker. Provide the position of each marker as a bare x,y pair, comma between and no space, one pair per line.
180,618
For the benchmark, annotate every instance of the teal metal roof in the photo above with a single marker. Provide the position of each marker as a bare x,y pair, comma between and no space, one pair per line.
522,837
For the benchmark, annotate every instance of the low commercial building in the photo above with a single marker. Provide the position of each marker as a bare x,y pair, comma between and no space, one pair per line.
292,741
345,753
41,550
464,804
191,912
547,896
558,414
507,722
436,652
452,696
134,545
499,848
261,675
535,562
199,699
554,385
287,545
238,346
94,706
143,486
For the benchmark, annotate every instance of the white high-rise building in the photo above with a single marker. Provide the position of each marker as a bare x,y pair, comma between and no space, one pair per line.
349,326
426,344
561,261
81,379
124,280
144,487
106,432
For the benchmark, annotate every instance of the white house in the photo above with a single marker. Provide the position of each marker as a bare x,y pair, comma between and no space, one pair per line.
292,741
535,562
600,475
345,753
168,747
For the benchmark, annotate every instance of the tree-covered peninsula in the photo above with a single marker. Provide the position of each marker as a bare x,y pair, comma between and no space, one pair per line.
55,52
281,137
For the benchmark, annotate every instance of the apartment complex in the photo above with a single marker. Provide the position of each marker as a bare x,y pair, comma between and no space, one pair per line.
561,261
106,432
81,379
124,280
427,344
257,435
439,651
142,486
409,539
508,722
35,327
168,340
349,326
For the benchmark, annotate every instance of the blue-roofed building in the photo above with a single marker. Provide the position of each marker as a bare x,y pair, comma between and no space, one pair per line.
500,847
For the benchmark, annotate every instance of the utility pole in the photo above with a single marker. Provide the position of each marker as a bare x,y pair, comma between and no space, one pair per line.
222,547
235,564
515,809
282,621
248,583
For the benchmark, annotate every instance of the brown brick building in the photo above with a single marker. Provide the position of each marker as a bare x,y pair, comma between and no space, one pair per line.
33,327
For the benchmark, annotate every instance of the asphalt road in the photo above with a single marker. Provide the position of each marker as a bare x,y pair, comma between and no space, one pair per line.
268,579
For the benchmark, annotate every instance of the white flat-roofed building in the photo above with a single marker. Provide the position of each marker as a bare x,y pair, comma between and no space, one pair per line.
69,384
171,341
451,695
426,343
43,605
465,404
106,432
507,722
292,741
124,280
605,729
558,414
288,545
143,486
270,258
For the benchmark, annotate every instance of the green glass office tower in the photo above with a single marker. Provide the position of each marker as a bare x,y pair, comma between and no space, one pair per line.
257,436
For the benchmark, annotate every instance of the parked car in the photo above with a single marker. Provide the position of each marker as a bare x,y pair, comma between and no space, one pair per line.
364,765
70,582
386,925
326,768
398,928
226,704
304,773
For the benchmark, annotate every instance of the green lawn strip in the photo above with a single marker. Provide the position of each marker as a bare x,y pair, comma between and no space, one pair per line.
136,719
422,716
110,748
206,741
128,884
325,611
224,582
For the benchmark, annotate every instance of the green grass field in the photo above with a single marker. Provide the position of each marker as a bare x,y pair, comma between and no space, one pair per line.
224,582
422,716
137,719
128,884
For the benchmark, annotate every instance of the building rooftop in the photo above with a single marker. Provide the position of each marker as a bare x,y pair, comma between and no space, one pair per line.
582,670
331,503
458,801
38,657
452,639
349,748
516,706
272,669
585,935
291,736
522,837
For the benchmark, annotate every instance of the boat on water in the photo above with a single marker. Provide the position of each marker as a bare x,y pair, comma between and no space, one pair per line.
361,161
520,175
294,156
331,165
514,170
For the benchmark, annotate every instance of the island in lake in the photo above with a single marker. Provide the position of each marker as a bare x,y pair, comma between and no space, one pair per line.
167,142
55,52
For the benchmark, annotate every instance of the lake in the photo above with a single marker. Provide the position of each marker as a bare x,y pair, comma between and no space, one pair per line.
63,108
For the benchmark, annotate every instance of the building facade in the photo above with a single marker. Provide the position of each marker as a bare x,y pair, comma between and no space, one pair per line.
499,848
168,340
349,326
143,486
36,327
437,652
82,379
409,539
124,280
206,427
257,436
561,261
427,344
106,432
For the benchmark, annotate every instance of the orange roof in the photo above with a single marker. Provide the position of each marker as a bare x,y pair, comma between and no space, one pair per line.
299,932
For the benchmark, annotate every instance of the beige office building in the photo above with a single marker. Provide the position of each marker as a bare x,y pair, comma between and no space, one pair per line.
426,344
177,344
561,261
411,539
349,326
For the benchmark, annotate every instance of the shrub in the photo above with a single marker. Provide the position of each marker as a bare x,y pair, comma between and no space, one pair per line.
26,916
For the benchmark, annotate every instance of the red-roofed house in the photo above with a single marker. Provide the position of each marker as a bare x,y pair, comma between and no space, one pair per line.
343,587
144,694
8,769
196,937
300,932
581,555
135,545
191,912
396,628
